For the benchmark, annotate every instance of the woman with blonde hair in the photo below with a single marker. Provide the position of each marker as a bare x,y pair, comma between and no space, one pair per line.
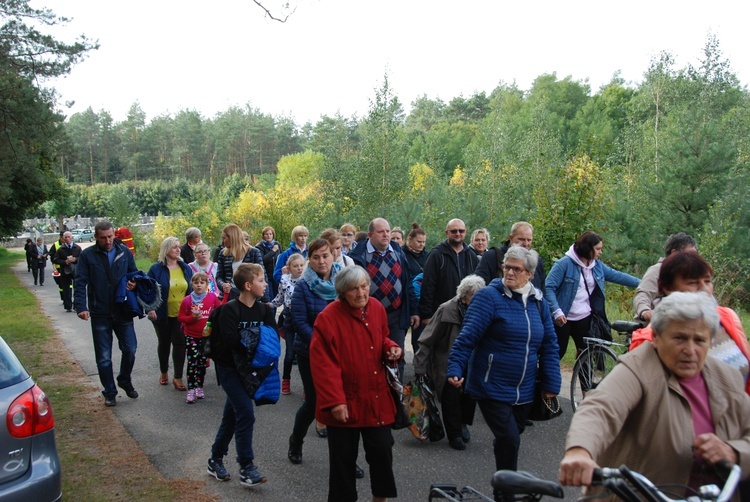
173,276
236,251
298,244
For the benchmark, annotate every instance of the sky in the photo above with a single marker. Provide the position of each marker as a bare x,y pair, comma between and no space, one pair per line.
331,55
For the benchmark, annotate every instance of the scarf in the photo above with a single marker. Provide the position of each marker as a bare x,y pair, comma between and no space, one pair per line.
321,288
269,245
524,291
196,298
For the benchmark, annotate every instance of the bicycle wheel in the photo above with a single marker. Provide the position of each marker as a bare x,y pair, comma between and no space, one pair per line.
592,365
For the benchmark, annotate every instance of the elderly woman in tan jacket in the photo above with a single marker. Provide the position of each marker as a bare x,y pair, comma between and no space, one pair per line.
666,410
431,359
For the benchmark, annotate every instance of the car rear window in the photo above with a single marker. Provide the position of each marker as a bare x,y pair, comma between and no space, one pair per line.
11,369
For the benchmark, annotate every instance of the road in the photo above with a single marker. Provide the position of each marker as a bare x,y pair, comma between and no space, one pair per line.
177,437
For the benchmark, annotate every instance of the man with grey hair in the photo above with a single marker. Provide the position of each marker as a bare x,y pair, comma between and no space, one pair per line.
521,233
648,290
447,264
67,258
192,239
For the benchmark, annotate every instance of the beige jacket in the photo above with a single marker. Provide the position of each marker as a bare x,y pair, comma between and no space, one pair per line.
639,417
435,344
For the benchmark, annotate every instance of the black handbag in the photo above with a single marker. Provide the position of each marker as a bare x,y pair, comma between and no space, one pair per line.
599,327
544,409
397,393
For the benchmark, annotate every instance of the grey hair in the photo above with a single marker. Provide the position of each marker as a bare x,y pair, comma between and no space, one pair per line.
469,285
680,307
349,278
166,245
192,233
529,257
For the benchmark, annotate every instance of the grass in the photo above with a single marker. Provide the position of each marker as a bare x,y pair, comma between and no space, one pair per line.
84,429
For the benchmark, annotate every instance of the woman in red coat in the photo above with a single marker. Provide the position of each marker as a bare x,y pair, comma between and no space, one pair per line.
349,345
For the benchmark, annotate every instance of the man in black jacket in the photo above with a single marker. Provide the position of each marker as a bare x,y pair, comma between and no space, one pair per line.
447,264
521,233
66,257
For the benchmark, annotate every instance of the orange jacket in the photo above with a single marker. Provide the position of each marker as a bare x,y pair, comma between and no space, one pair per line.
728,319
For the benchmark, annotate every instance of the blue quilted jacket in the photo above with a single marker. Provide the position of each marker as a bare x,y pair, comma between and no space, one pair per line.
500,344
306,306
258,365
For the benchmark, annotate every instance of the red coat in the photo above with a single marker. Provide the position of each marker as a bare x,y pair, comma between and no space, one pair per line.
346,358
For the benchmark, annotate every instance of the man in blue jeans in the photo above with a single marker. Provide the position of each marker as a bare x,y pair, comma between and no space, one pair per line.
101,269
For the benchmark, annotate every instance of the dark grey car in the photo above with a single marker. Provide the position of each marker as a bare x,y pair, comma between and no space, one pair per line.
29,465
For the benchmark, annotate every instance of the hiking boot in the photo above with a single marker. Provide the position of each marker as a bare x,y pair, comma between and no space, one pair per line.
190,398
286,386
216,469
295,450
249,476
199,393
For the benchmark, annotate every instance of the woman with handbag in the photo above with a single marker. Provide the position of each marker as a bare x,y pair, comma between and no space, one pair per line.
575,292
349,346
506,340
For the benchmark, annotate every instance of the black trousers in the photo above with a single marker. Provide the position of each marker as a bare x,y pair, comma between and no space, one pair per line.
343,446
506,422
576,330
170,336
458,409
66,290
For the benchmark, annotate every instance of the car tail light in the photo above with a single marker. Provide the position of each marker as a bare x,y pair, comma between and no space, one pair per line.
30,414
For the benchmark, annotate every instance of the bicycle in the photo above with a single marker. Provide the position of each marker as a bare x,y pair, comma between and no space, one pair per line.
597,360
627,485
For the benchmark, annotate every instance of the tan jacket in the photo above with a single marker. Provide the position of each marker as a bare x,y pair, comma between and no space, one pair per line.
639,417
435,343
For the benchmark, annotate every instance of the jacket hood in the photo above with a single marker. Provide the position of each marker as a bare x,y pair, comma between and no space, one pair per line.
570,253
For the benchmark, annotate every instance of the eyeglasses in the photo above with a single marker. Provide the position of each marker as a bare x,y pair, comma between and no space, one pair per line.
515,270
348,234
457,230
205,251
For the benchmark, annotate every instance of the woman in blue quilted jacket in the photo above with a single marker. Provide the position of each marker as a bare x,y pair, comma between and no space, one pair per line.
506,339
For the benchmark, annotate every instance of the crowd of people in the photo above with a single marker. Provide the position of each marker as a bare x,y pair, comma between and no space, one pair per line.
488,324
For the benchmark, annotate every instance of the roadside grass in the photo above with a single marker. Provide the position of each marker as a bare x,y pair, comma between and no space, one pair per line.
99,459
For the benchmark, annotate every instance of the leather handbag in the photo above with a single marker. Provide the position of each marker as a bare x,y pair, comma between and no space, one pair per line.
543,409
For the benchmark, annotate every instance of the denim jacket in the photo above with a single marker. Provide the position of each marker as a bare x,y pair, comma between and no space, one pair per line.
563,280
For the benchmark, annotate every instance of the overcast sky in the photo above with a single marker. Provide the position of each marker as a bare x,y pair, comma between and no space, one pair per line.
331,54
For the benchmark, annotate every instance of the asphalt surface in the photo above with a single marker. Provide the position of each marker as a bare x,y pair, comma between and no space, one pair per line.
177,437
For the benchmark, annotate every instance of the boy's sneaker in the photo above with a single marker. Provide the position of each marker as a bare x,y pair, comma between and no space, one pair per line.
286,386
249,476
190,398
217,470
199,393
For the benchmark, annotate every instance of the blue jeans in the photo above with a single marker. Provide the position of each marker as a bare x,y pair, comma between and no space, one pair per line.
101,329
238,419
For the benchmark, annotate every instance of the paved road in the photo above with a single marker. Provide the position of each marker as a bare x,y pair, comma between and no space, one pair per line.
177,437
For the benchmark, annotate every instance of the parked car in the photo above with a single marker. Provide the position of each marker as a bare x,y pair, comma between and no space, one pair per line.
29,464
83,234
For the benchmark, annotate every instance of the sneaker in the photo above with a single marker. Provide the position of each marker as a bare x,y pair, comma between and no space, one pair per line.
199,393
286,386
190,398
249,476
217,470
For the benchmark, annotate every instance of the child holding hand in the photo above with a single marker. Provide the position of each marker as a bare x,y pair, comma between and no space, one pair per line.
194,312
